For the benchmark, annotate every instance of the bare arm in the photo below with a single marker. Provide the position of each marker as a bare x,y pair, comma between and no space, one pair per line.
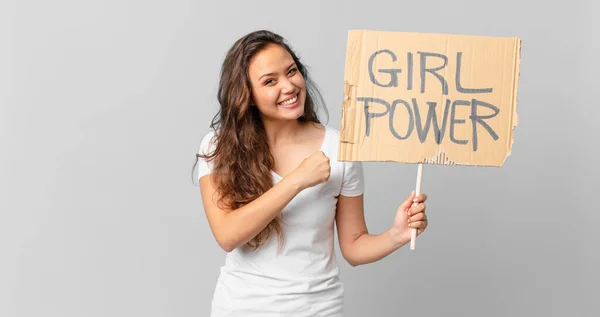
358,246
234,228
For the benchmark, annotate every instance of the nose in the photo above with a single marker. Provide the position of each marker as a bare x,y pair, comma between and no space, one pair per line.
287,87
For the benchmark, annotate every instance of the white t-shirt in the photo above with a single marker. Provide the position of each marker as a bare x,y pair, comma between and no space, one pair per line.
301,279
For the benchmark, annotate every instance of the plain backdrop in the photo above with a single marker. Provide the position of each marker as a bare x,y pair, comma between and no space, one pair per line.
103,105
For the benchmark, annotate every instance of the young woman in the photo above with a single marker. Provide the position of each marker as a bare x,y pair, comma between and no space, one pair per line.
272,189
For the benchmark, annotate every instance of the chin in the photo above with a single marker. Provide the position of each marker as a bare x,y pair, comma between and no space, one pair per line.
299,112
293,113
286,115
294,116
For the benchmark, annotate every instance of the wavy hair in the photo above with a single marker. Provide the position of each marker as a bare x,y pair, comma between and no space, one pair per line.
242,158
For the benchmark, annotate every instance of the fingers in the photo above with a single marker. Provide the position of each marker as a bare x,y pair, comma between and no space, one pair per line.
416,208
417,217
408,202
412,199
421,225
420,199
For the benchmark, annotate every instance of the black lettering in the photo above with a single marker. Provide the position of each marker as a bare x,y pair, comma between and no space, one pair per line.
371,115
433,71
393,72
431,118
410,119
453,121
475,118
459,86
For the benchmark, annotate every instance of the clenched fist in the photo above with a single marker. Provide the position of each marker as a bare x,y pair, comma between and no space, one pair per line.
313,170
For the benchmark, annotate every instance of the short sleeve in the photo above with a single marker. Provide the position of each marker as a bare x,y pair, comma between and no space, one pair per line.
205,167
353,183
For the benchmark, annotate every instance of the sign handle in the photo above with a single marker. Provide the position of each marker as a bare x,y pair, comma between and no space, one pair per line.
413,233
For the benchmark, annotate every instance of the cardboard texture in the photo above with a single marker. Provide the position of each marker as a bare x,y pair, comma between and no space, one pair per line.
429,98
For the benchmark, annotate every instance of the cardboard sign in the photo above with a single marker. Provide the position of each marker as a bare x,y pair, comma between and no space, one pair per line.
429,98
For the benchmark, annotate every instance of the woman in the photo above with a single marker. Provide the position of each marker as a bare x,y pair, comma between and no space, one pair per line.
272,189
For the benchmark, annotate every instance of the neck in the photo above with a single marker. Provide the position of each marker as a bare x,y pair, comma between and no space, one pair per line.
281,131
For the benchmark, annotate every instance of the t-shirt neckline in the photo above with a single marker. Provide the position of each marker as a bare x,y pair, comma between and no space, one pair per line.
322,148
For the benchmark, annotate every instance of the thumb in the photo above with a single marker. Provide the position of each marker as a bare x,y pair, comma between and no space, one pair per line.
408,202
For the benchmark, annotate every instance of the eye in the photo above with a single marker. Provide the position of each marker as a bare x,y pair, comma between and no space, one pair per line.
293,71
268,82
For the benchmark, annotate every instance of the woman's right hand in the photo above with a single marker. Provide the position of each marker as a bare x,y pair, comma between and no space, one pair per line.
313,170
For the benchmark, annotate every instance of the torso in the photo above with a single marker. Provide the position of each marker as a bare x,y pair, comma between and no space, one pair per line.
300,277
288,157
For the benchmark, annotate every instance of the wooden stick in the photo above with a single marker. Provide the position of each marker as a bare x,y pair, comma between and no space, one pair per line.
413,233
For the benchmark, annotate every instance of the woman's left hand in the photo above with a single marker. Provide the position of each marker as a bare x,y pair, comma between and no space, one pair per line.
410,214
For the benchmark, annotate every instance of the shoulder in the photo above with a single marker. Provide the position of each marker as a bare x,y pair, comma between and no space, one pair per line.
208,143
206,149
331,140
333,133
351,172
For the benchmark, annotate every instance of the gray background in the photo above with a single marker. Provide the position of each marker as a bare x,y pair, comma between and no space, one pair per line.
104,103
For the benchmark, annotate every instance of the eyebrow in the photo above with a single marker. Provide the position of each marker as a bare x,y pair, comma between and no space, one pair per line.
270,74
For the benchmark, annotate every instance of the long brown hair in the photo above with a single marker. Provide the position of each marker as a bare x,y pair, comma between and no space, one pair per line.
242,159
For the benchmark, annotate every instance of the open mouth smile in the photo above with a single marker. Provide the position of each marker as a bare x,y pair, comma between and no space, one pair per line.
290,103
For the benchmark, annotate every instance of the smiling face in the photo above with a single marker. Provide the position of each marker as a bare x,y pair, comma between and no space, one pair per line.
278,88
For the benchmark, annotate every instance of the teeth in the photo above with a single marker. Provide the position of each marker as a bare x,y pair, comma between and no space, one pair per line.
289,101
